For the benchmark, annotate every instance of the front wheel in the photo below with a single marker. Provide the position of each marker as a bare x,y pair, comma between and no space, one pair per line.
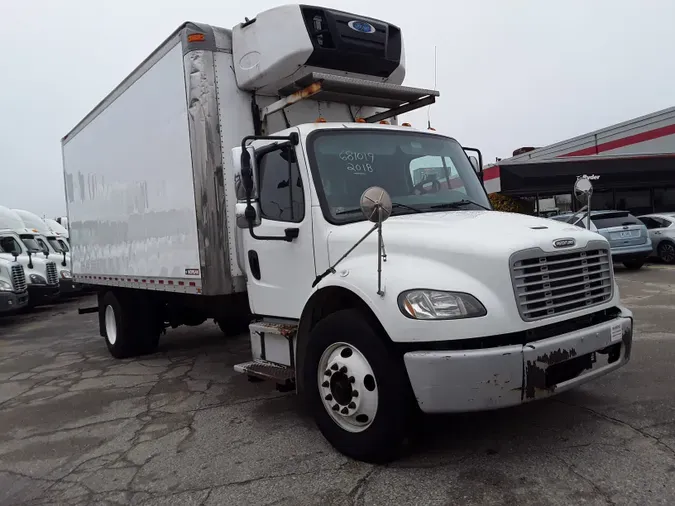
666,252
357,388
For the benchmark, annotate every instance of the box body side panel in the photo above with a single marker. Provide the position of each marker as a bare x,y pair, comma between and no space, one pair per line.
129,182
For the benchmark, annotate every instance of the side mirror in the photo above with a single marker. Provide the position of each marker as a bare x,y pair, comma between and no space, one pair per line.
15,254
245,173
474,163
240,212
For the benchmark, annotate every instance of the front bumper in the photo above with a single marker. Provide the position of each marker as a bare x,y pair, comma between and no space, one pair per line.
641,251
42,294
10,302
475,380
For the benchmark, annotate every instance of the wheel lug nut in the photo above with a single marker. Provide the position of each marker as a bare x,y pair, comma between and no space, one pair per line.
328,373
355,393
334,367
352,405
325,384
344,411
329,397
352,379
343,370
336,407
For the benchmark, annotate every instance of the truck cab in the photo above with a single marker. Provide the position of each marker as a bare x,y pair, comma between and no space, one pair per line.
13,287
18,242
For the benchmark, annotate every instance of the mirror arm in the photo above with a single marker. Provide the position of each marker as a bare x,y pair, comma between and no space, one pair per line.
247,177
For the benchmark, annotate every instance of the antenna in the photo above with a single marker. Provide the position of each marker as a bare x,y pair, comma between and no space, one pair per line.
435,89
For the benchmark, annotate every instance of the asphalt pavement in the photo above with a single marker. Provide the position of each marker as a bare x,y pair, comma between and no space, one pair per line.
181,427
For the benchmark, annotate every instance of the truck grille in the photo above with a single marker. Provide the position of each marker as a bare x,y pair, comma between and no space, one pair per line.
52,276
550,284
18,279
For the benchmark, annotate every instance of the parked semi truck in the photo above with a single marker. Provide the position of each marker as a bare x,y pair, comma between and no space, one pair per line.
17,241
239,173
13,288
49,241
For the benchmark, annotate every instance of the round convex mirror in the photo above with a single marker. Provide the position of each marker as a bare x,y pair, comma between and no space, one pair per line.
583,189
376,204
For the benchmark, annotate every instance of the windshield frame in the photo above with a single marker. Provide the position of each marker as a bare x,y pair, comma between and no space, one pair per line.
30,237
54,243
316,174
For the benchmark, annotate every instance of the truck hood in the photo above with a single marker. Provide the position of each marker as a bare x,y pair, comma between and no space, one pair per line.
487,234
461,251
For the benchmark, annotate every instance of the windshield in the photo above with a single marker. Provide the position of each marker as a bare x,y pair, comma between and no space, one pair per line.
55,244
64,246
30,243
421,172
9,245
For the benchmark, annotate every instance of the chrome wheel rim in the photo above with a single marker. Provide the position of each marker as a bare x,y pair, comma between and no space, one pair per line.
110,325
348,387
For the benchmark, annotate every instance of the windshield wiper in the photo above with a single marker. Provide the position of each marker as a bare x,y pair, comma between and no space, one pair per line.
459,203
393,205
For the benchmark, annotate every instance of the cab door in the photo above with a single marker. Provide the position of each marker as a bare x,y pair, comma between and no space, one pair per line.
280,273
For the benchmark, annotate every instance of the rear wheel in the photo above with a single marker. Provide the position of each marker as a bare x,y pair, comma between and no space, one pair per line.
666,252
634,265
357,388
128,327
232,327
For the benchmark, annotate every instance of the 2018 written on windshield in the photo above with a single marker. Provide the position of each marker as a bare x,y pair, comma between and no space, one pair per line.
358,161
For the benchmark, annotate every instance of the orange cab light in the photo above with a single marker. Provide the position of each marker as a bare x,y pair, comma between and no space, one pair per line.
196,37
360,120
406,124
320,120
384,122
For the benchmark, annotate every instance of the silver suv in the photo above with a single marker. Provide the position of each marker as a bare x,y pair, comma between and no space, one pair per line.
628,237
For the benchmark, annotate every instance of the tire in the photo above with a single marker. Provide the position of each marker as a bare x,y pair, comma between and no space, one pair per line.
235,324
666,252
634,265
379,439
128,329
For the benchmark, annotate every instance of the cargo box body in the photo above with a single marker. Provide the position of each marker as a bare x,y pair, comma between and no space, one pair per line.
147,185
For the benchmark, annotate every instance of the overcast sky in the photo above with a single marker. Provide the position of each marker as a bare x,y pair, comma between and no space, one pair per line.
511,73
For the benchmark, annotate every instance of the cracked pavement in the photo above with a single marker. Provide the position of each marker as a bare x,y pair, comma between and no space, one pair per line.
181,427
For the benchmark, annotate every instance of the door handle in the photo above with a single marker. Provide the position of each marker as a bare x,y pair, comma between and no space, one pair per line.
291,233
254,263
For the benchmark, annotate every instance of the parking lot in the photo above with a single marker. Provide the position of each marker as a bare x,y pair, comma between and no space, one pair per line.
180,427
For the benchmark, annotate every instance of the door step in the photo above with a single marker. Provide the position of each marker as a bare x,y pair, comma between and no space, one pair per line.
283,329
262,369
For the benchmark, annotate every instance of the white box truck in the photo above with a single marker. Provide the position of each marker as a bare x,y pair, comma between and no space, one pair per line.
229,173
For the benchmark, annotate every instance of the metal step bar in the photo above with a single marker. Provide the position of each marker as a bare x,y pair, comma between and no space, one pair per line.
354,92
282,375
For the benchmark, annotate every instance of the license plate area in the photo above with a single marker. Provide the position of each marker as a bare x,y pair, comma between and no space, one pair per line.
570,369
625,234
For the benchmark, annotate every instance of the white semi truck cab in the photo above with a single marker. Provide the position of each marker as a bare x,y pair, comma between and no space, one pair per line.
20,243
13,288
57,250
274,150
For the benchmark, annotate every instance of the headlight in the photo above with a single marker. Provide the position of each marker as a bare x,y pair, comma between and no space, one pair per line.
65,274
37,279
436,305
5,286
